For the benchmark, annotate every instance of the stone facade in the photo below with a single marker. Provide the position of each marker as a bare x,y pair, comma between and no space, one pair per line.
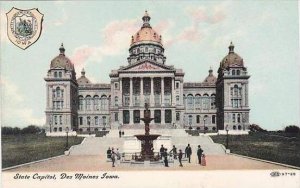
84,106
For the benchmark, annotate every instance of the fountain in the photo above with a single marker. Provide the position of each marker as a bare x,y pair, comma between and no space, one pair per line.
147,139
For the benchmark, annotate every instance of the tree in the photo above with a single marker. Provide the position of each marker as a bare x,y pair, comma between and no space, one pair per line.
256,128
292,129
31,129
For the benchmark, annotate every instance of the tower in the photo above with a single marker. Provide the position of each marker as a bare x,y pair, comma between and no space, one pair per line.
61,95
232,93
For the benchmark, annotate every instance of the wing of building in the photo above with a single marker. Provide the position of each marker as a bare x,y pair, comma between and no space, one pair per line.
212,104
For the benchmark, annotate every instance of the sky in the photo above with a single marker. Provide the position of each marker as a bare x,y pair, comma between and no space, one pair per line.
195,34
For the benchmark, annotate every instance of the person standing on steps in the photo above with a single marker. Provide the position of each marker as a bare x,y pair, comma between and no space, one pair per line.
120,133
165,154
174,151
108,153
180,154
188,152
161,151
199,154
113,157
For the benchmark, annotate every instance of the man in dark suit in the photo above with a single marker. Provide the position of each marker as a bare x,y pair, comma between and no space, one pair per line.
161,151
199,153
188,152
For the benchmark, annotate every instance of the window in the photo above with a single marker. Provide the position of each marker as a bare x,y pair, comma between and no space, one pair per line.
168,116
136,114
104,102
212,101
60,129
234,127
80,103
233,118
96,102
58,92
116,85
177,100
126,117
96,120
190,120
116,101
157,116
239,118
60,74
177,85
213,119
198,101
88,102
236,88
198,118
88,120
55,120
233,72
238,72
239,127
205,101
190,101
116,116
55,74
127,100
60,120
104,120
55,129
80,120
146,49
177,116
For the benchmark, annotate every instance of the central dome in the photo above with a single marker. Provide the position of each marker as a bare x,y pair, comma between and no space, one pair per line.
146,33
232,59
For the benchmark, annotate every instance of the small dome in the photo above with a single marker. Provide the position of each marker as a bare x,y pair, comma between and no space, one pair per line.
146,33
61,61
232,59
83,80
210,79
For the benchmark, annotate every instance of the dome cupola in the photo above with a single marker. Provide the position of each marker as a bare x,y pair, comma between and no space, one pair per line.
232,59
61,61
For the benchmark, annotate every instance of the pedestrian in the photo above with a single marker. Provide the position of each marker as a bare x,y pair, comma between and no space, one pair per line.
180,157
120,133
113,158
203,161
199,154
166,157
123,133
118,155
108,153
174,151
161,151
189,152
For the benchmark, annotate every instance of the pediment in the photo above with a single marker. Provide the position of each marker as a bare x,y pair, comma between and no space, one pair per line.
147,66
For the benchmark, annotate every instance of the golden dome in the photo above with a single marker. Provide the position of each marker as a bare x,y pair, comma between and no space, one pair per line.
61,61
146,33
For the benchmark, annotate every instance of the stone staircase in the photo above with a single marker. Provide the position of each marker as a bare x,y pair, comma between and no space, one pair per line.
128,143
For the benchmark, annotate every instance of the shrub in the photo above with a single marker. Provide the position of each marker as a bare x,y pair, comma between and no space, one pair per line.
198,128
10,130
31,129
256,128
292,129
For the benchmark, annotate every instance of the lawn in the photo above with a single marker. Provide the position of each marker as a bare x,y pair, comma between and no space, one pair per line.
282,148
23,148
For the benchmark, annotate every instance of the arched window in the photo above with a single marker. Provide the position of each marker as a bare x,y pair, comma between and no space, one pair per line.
239,127
234,127
96,120
198,118
236,89
60,129
239,118
213,101
60,120
177,100
238,72
233,72
190,101
55,129
88,120
146,49
55,74
103,102
205,101
55,120
190,120
88,101
104,120
58,92
214,128
177,116
116,101
198,101
59,74
80,98
80,120
96,102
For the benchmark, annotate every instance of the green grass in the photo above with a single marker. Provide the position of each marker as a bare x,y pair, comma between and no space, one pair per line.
280,148
19,149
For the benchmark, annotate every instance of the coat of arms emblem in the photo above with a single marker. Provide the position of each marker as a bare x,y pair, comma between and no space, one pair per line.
24,27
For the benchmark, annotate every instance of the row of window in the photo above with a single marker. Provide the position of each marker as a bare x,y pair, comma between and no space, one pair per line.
96,102
157,116
57,105
236,118
236,91
146,50
235,72
57,120
206,119
205,102
57,74
58,93
96,120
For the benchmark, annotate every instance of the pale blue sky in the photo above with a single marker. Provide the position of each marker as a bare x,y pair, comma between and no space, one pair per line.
196,35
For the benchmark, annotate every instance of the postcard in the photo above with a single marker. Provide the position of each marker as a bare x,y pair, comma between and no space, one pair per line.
150,94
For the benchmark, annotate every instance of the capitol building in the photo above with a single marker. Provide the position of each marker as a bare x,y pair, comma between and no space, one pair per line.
216,103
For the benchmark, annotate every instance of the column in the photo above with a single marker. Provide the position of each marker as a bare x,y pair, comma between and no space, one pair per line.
162,91
181,94
162,116
142,115
152,93
173,97
67,94
142,94
130,94
121,94
130,117
246,94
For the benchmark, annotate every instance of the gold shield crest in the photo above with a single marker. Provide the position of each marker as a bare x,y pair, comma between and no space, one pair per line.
24,27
